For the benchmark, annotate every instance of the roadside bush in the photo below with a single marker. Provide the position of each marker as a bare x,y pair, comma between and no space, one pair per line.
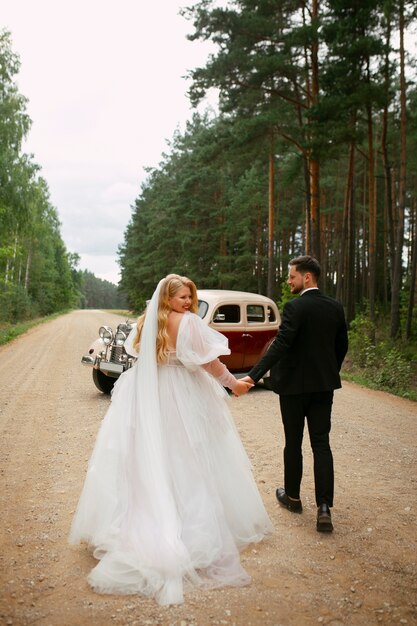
393,371
22,307
376,361
362,342
16,305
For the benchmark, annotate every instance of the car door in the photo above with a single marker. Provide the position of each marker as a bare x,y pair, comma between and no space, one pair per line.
227,318
260,328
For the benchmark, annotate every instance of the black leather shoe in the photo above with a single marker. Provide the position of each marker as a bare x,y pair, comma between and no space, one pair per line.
294,506
324,519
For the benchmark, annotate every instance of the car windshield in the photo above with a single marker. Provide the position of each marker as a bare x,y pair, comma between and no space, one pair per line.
202,308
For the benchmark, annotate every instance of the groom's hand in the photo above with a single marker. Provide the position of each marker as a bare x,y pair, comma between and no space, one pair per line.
241,387
248,379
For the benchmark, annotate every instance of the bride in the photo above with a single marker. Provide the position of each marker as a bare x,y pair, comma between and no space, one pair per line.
169,498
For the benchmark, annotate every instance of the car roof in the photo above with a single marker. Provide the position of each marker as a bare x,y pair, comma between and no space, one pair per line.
230,294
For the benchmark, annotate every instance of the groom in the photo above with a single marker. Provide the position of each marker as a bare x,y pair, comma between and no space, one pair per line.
305,359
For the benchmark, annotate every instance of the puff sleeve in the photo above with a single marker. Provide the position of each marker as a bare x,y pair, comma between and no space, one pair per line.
199,345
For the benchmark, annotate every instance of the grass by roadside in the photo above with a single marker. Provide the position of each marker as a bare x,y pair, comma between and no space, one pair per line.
8,331
360,378
127,314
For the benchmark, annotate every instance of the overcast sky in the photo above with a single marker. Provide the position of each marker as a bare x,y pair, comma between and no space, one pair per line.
106,89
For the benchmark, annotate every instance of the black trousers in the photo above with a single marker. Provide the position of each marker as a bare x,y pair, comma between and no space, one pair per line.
316,409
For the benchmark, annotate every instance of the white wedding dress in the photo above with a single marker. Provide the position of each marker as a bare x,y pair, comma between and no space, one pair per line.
169,498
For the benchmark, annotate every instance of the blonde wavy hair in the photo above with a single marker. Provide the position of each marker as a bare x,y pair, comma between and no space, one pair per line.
172,283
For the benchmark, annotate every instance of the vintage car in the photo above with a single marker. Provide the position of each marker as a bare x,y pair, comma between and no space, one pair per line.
249,321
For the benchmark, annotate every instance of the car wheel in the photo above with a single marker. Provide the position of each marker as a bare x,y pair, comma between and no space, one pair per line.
102,382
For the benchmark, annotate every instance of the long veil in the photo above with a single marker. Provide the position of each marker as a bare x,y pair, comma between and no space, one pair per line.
146,554
151,456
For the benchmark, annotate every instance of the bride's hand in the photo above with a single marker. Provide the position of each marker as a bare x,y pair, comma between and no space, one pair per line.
241,388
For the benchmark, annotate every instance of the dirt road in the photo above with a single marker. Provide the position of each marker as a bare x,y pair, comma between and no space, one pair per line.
364,573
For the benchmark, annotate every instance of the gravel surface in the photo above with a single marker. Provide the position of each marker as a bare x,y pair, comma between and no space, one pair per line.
363,573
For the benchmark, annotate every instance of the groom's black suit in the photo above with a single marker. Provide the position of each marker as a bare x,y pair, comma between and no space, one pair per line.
305,360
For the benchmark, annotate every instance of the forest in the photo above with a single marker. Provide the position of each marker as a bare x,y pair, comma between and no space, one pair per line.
309,149
38,276
312,149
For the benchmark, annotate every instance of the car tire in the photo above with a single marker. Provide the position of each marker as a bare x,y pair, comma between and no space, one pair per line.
102,382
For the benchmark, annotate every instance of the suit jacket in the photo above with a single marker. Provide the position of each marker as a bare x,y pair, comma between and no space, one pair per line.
310,346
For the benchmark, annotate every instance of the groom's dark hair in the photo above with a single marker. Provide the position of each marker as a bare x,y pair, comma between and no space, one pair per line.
305,264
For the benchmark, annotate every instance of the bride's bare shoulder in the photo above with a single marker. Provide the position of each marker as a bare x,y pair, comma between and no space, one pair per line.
174,319
175,316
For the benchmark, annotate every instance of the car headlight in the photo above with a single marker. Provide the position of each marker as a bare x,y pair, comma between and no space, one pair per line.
119,338
106,334
125,327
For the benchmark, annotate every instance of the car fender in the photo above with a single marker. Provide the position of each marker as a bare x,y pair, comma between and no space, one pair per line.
96,347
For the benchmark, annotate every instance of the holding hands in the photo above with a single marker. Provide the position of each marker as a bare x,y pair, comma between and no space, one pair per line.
242,386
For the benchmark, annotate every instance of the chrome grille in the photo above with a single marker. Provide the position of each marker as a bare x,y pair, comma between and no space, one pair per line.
116,352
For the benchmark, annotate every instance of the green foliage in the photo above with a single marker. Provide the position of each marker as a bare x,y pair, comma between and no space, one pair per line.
362,341
16,304
95,293
379,362
392,371
35,269
204,211
286,295
9,331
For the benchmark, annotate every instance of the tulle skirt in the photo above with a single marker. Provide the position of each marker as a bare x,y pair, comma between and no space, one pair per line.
161,517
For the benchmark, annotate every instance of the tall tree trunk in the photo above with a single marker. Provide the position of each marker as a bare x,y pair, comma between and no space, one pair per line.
365,238
285,247
314,167
345,283
13,264
372,216
307,223
397,274
413,272
259,250
341,275
271,223
315,243
28,263
222,251
384,151
324,220
349,237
